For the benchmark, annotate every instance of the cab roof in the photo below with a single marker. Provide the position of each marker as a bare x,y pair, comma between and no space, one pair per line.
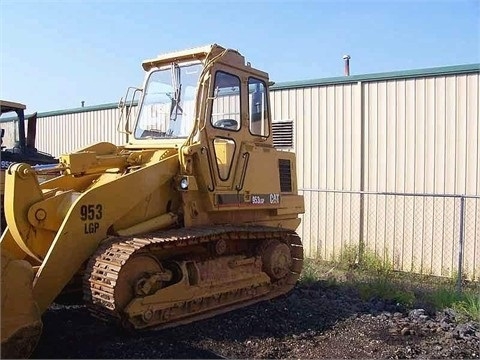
197,53
231,57
7,106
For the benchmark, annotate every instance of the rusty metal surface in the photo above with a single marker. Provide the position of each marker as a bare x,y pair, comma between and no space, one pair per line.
102,272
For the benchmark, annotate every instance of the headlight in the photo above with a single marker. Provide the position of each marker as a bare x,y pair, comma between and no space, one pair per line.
184,183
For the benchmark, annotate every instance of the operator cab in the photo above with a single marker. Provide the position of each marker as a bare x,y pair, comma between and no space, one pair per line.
19,134
208,89
209,97
23,147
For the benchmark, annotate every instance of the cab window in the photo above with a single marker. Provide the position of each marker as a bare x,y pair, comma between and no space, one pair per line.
226,104
258,107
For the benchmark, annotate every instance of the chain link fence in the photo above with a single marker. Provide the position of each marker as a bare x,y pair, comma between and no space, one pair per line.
427,234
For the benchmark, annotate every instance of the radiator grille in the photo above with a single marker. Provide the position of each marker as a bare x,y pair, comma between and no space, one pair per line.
285,172
282,132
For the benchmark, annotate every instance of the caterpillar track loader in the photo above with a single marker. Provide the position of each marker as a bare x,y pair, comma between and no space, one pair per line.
195,215
23,149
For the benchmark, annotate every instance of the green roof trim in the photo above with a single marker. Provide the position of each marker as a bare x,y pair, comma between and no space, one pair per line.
405,74
78,110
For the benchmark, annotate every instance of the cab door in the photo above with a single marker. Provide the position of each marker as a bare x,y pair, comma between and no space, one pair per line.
241,156
226,125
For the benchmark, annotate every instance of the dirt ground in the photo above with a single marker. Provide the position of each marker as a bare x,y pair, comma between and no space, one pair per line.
318,320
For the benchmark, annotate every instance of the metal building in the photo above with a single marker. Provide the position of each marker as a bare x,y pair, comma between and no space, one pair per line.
388,162
378,154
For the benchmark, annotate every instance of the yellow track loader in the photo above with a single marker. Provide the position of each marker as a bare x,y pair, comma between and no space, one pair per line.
195,215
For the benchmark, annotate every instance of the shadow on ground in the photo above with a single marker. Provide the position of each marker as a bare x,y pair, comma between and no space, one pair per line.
70,332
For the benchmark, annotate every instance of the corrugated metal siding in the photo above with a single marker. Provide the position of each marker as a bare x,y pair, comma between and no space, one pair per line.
9,138
328,157
64,133
421,135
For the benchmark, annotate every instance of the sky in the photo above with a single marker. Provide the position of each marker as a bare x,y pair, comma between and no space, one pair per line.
56,54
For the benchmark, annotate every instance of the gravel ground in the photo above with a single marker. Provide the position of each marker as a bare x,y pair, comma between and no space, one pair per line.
312,321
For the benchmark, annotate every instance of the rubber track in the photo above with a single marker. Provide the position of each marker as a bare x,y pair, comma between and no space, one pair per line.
104,265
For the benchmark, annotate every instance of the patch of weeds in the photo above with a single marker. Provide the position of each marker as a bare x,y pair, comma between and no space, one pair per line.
453,278
315,270
349,257
466,304
374,277
373,263
331,282
469,306
384,288
444,297
369,261
310,272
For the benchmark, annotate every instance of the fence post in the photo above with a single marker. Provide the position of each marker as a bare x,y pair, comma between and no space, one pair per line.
363,146
460,243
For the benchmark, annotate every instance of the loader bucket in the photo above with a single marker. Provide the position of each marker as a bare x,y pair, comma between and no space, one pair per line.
21,321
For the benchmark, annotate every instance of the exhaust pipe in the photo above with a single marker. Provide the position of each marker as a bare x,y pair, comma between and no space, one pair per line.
347,65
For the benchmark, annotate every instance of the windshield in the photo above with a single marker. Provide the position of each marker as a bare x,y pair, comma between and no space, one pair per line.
168,106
